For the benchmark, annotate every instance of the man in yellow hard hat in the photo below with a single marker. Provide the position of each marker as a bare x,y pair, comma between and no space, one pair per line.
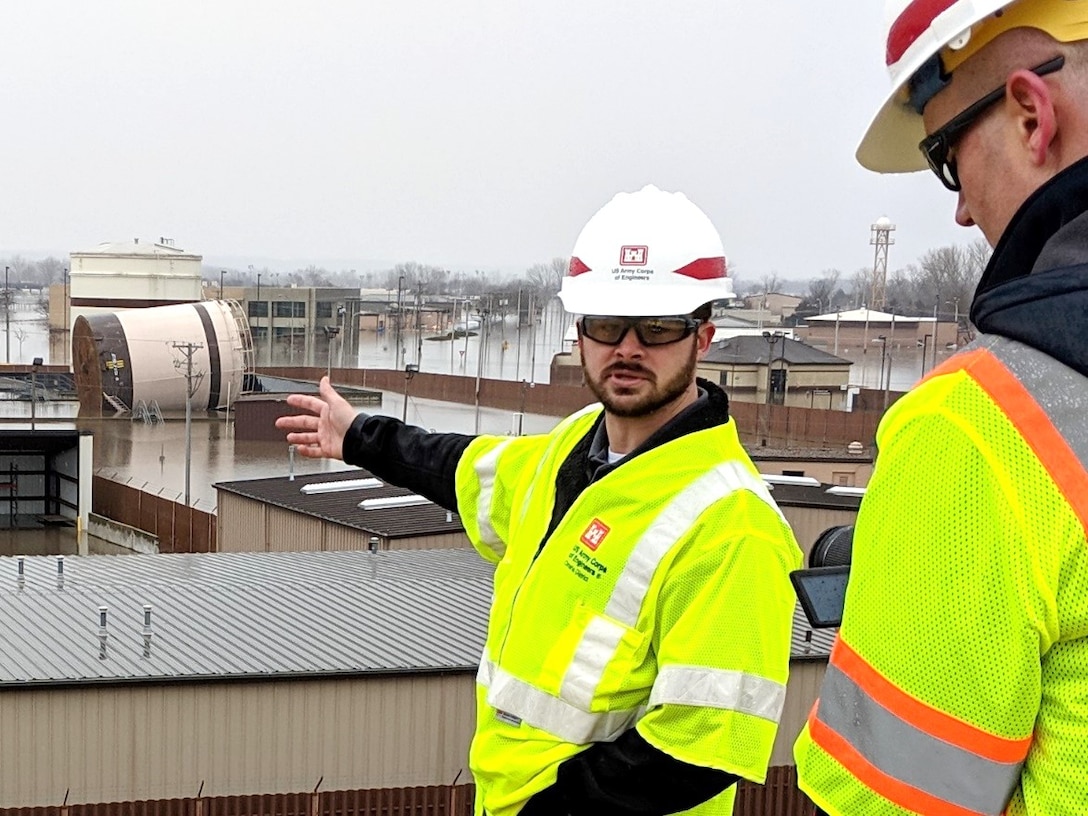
959,681
638,640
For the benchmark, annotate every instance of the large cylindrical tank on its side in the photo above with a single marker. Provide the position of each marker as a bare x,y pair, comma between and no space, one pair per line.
129,356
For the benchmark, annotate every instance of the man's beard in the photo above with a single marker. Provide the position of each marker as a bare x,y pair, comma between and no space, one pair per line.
659,396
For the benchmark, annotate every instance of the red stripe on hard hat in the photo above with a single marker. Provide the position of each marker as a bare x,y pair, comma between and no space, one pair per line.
704,269
911,24
576,267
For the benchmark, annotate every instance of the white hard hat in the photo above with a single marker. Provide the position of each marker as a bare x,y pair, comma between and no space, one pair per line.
643,254
926,40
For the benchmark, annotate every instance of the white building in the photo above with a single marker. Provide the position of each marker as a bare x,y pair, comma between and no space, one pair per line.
131,274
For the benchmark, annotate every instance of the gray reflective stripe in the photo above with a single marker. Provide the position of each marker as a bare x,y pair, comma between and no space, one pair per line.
597,646
671,523
486,467
599,642
1060,391
719,688
541,710
910,755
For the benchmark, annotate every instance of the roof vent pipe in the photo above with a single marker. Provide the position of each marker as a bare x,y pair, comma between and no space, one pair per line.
147,630
103,634
20,571
60,572
290,463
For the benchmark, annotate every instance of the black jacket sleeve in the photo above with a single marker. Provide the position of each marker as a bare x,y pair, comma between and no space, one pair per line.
407,456
628,777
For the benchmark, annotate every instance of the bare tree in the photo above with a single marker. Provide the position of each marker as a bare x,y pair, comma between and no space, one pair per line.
860,285
546,278
820,291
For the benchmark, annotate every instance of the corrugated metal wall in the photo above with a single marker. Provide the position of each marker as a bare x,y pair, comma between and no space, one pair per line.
240,523
778,797
169,741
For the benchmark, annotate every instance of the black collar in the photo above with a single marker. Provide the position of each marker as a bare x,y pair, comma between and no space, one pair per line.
1047,210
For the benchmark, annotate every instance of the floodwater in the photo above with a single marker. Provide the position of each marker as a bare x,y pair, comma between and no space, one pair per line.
152,457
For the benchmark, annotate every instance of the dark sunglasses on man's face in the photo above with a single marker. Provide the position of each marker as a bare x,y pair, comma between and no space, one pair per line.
937,145
651,331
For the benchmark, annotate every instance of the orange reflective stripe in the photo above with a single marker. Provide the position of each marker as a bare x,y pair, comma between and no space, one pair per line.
932,721
1035,426
889,787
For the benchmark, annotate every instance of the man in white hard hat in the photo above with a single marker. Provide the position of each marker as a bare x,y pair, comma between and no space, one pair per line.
638,641
959,680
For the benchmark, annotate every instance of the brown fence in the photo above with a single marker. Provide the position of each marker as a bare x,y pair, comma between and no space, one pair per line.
180,529
759,424
779,797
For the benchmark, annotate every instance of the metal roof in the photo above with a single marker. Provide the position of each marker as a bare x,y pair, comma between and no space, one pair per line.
242,615
754,349
342,508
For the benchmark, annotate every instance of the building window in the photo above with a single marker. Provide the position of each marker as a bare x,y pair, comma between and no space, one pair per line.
258,332
324,309
793,473
258,308
289,308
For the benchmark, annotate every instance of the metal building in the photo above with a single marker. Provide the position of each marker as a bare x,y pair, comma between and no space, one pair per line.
157,677
342,510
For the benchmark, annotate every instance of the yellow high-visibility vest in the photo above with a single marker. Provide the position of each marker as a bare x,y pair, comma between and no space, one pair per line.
959,682
660,602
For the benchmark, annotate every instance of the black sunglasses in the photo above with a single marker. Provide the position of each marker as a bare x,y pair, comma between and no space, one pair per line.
651,331
936,146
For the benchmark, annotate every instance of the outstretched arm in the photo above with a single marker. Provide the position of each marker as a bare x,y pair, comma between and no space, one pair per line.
319,433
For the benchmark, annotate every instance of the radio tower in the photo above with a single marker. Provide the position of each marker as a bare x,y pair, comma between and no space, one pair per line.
880,237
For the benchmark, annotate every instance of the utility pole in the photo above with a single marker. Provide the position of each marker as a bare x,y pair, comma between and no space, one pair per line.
191,383
419,323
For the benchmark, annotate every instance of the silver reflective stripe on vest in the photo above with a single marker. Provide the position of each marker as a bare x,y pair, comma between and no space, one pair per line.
486,467
541,710
598,644
1060,391
910,755
672,522
719,688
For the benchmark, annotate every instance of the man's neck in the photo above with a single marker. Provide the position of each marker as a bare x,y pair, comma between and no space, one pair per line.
627,433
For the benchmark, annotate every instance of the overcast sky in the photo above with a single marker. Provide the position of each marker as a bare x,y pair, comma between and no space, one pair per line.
471,134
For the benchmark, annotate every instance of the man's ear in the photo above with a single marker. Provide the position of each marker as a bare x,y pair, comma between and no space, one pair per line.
1032,103
704,335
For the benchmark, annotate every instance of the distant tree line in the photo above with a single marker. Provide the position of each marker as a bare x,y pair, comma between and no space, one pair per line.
941,284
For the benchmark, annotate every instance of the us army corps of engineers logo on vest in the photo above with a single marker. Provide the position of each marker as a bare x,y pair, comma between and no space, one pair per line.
581,560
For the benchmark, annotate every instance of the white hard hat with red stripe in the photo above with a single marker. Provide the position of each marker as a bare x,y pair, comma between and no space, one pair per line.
648,253
926,40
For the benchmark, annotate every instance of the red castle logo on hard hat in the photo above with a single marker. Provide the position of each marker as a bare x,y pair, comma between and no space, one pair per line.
633,255
595,533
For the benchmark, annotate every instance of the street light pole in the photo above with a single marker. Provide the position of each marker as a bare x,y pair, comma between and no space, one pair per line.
883,348
410,370
222,272
925,343
7,318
